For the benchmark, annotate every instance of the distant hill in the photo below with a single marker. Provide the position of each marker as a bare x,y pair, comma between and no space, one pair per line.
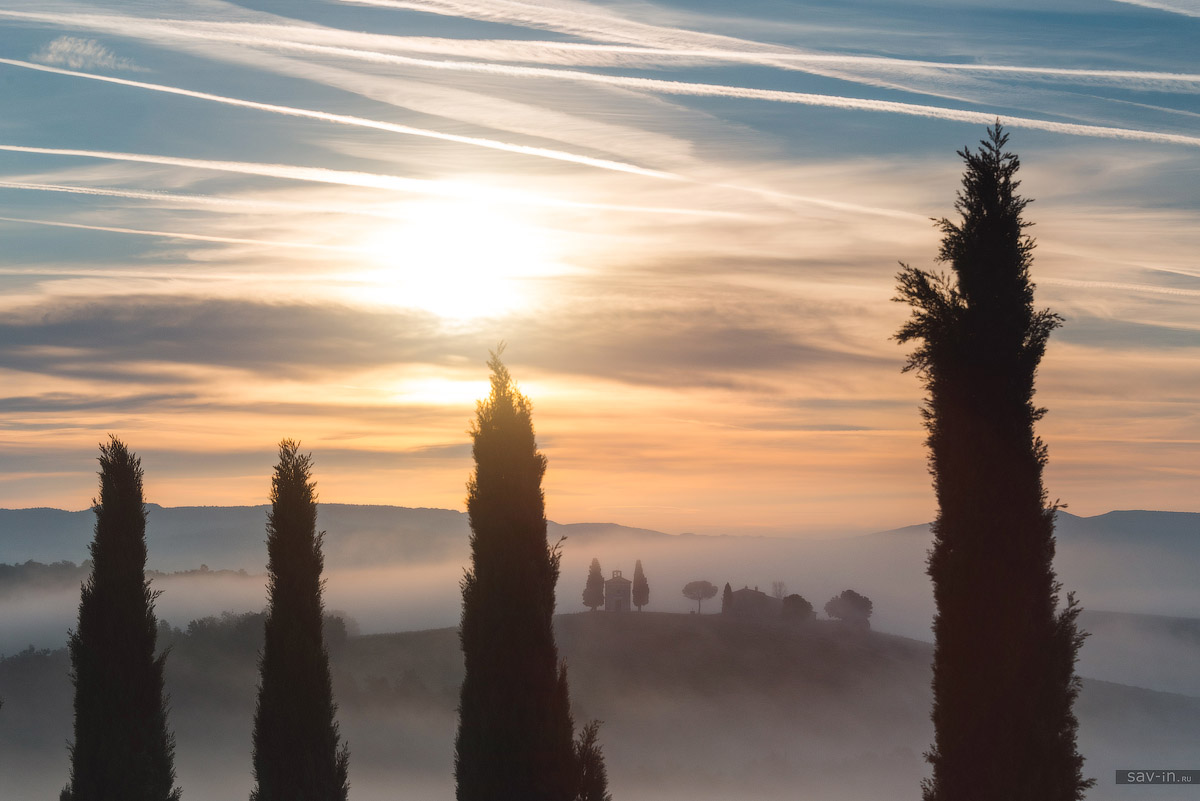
395,568
697,707
232,537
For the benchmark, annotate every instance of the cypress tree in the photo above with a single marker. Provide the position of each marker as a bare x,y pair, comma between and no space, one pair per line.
515,737
641,590
727,600
593,776
593,591
122,749
1004,661
298,755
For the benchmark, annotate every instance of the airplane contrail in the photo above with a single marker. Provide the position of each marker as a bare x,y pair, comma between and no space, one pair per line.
651,85
227,240
367,180
317,40
362,122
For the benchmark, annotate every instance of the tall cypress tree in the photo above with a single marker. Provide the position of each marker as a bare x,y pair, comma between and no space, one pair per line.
122,749
298,755
641,589
593,591
1004,661
515,733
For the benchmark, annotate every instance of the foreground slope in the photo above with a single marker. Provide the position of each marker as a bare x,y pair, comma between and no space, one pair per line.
695,707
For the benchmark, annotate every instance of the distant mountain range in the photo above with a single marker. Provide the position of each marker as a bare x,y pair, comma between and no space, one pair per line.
232,537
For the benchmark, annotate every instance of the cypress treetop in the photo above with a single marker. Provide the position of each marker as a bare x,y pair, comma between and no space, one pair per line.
298,753
1004,659
122,750
515,737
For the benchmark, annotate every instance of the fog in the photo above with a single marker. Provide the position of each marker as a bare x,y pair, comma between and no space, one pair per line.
695,707
692,708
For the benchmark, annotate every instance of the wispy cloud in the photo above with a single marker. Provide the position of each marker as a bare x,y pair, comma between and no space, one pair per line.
1189,8
81,54
345,119
392,183
191,237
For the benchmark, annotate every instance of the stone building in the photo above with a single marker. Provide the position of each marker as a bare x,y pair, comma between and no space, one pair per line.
618,592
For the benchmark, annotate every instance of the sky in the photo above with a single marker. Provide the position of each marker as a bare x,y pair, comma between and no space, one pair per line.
222,224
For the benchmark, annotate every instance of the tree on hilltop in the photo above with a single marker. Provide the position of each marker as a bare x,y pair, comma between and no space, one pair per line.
641,589
593,591
1004,679
699,591
850,607
795,607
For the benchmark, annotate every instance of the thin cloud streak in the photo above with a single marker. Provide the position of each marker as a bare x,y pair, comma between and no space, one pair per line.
362,122
1184,7
324,175
808,99
202,201
645,84
313,39
226,240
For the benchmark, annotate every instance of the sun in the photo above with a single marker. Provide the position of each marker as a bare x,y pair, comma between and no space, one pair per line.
459,260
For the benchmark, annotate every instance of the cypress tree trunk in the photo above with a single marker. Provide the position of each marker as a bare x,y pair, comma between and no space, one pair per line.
122,749
515,733
298,755
1004,661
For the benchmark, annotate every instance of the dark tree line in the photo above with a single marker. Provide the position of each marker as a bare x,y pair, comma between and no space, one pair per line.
1004,674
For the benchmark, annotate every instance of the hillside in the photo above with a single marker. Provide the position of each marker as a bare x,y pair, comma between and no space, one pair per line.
696,707
397,569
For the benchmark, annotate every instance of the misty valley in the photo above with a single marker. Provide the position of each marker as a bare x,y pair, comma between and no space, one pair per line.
694,706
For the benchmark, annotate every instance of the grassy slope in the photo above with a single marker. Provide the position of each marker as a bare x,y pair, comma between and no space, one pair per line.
695,707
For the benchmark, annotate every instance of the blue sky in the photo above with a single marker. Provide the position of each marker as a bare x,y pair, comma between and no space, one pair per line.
229,223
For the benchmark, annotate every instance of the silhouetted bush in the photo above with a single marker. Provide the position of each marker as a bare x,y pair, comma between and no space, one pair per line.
795,607
850,607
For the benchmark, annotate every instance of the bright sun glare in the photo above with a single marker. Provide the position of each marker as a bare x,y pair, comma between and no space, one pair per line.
459,261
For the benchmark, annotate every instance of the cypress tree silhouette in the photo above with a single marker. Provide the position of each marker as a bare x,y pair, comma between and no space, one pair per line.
515,737
593,776
593,591
1004,662
298,755
641,590
727,600
122,749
